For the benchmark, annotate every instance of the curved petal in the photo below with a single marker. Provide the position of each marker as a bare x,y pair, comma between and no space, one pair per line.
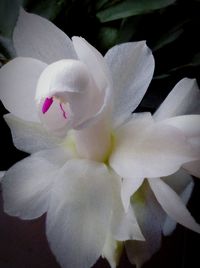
172,204
182,184
146,149
193,168
18,80
94,60
30,137
129,187
189,124
38,38
183,99
2,173
169,224
150,217
26,186
79,213
71,95
101,75
124,225
112,251
131,66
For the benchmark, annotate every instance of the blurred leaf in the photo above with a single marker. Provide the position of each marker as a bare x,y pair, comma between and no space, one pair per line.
100,4
167,39
129,27
6,47
107,37
129,8
9,10
45,8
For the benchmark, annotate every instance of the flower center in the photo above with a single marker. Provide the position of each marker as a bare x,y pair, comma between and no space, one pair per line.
47,104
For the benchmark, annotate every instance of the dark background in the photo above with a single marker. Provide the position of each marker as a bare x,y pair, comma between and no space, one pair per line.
172,31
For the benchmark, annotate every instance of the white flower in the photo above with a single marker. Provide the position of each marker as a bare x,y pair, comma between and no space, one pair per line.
71,109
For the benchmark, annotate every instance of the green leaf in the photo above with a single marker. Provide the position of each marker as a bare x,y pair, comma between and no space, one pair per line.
46,8
9,10
167,39
107,37
129,8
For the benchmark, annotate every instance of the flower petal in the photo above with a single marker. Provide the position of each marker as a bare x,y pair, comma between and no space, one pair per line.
183,99
94,60
182,184
112,251
189,124
2,173
18,80
129,187
26,186
172,204
169,224
38,38
124,225
193,168
79,213
132,66
30,137
150,217
146,149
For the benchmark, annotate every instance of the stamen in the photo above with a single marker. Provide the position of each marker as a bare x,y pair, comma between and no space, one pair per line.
64,112
47,104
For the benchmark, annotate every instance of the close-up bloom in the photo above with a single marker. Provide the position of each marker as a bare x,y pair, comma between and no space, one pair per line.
104,176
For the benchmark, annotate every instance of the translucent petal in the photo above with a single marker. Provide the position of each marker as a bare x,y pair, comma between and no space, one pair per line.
150,217
2,173
193,168
79,213
124,225
172,204
94,60
145,149
38,38
72,91
183,99
26,186
129,187
30,137
131,66
18,80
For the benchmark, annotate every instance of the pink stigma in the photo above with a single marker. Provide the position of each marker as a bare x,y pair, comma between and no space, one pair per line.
47,104
63,111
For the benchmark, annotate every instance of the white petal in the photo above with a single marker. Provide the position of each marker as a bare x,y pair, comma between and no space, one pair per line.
124,225
94,60
38,38
183,99
193,168
30,137
129,187
182,183
26,186
79,213
189,124
112,251
172,204
70,84
132,66
18,80
2,173
94,142
145,149
150,218
170,224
